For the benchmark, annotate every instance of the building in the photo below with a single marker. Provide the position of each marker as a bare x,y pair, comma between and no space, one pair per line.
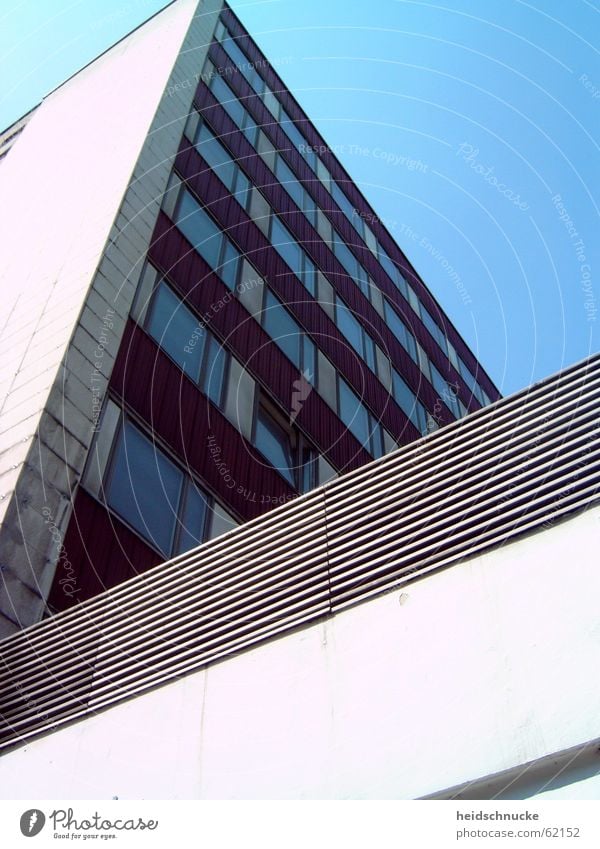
203,318
425,626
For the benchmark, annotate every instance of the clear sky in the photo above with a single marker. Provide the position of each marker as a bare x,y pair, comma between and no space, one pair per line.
470,126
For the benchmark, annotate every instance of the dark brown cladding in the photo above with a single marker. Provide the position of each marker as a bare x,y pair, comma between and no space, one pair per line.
244,336
294,110
253,244
311,241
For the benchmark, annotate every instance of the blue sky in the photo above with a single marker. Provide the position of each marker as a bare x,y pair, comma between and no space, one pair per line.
472,129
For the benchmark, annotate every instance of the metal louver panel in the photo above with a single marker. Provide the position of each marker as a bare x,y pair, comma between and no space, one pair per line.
517,465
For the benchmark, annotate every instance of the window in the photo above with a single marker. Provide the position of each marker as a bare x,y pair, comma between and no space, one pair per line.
216,155
282,328
198,228
219,159
227,99
289,336
470,381
350,327
194,349
144,487
210,242
399,329
343,202
174,326
289,182
354,414
434,329
274,444
239,58
290,251
286,246
154,496
446,393
407,401
193,521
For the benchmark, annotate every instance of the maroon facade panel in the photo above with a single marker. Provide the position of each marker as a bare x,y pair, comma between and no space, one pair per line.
156,390
269,264
99,552
244,336
316,247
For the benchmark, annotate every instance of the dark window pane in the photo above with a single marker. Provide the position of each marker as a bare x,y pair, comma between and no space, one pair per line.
250,130
176,330
343,202
309,359
192,530
216,359
242,189
227,99
350,327
289,182
293,133
309,275
406,400
309,470
144,488
282,328
345,256
199,229
229,264
354,414
285,245
217,156
274,444
400,331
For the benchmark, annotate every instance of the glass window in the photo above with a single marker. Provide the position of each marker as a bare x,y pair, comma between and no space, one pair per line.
400,331
144,487
349,326
362,278
216,155
292,132
250,129
214,370
176,330
199,228
308,469
285,245
273,442
345,256
309,359
413,300
242,189
343,202
407,401
289,182
309,275
369,352
433,328
192,530
354,415
282,328
235,54
230,262
227,99
377,441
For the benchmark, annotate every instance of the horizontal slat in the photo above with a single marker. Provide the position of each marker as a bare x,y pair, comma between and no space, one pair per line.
478,483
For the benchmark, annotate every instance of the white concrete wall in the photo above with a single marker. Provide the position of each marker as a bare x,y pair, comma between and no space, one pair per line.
478,669
81,192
